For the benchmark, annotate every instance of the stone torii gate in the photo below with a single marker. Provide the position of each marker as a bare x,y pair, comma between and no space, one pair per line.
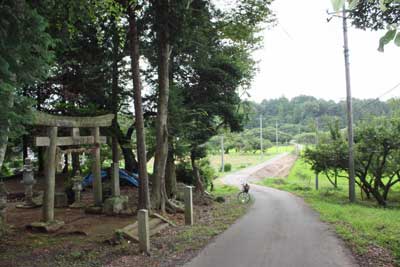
53,122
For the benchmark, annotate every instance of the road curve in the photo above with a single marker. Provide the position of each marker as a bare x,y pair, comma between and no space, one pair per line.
279,230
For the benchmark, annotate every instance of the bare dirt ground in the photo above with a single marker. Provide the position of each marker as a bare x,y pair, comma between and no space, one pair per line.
83,241
280,169
277,167
73,218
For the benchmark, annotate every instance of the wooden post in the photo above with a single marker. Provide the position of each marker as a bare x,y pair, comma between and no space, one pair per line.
188,196
96,168
115,180
48,204
143,231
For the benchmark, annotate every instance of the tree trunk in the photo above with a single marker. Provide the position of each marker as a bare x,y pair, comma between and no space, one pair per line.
131,165
170,175
8,99
160,159
374,192
198,181
124,141
41,162
66,164
144,197
115,90
76,165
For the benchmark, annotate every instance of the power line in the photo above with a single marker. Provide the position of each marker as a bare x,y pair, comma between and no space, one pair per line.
285,31
382,95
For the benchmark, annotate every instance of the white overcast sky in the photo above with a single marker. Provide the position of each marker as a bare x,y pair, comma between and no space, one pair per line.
303,54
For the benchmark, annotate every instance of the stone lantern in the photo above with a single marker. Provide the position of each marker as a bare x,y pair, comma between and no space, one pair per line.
3,202
77,188
28,181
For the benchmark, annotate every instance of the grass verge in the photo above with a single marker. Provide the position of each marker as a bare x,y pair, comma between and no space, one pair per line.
366,227
222,216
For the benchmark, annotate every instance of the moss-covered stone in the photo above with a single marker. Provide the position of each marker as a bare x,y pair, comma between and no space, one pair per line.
115,205
46,227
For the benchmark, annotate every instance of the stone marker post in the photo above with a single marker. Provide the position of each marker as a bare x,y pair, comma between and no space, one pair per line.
48,204
116,191
96,169
143,231
188,196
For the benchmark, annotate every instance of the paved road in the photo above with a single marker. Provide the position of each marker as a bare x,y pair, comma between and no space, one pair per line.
279,230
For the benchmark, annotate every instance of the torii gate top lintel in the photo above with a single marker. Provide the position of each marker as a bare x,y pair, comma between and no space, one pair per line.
44,119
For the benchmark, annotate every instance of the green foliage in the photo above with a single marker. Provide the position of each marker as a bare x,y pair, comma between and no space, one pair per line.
247,141
212,64
227,167
298,115
24,59
305,138
337,4
387,38
377,156
225,190
207,172
184,172
378,14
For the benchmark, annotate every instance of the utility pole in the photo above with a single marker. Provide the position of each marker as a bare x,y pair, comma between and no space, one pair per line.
352,192
261,138
276,134
316,144
222,154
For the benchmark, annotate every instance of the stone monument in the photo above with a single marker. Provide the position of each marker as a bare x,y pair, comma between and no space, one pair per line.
28,181
77,188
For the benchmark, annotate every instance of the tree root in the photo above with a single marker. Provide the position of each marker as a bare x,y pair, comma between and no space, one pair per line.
173,207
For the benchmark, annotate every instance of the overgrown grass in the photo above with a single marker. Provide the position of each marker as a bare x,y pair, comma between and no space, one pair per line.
224,190
223,215
243,160
361,224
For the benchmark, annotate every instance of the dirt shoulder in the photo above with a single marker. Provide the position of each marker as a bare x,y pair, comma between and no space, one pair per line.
279,169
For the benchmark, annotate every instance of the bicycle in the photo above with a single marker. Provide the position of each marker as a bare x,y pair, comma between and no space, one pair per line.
244,196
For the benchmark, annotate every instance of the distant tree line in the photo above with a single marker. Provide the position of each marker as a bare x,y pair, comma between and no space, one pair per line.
300,114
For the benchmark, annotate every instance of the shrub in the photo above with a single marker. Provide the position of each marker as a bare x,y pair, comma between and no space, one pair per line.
206,171
298,187
184,172
242,166
227,167
279,181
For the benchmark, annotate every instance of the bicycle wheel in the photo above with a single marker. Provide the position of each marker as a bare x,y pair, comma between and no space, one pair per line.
243,197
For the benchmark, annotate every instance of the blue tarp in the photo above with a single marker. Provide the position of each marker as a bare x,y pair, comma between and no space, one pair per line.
123,177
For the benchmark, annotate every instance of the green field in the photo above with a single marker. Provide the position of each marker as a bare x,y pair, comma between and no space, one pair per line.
243,160
363,224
